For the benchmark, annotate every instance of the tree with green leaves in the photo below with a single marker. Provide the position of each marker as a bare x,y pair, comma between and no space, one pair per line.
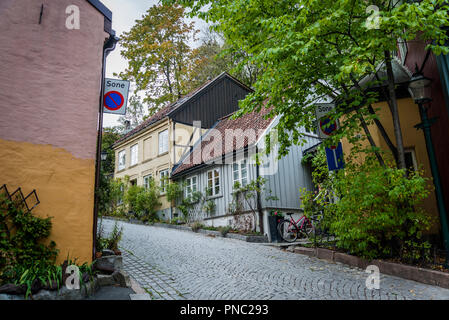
157,49
135,113
309,49
109,137
214,56
106,188
206,61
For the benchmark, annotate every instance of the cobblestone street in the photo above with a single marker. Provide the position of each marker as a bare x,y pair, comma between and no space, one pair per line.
173,264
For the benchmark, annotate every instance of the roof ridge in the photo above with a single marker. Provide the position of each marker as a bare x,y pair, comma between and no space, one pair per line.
227,116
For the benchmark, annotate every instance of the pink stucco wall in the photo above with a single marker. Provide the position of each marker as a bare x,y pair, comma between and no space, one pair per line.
50,76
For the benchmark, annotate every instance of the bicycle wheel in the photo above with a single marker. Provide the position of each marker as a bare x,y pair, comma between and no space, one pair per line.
288,231
308,230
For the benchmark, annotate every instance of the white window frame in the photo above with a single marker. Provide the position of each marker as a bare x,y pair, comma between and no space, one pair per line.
213,181
190,187
242,163
122,154
163,141
146,182
134,154
161,180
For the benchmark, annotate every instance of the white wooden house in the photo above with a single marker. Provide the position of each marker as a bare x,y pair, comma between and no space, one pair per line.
225,154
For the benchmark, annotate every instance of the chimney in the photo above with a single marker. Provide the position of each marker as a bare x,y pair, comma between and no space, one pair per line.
127,126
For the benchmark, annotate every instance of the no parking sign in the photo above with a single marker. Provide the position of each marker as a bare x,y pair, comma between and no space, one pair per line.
326,126
115,97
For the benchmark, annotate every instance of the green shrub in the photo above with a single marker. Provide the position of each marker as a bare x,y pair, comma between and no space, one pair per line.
23,240
108,242
143,201
378,213
114,238
26,256
173,191
196,226
224,230
177,220
310,202
110,194
209,207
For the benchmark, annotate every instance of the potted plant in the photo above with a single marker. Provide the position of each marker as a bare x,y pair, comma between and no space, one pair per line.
275,217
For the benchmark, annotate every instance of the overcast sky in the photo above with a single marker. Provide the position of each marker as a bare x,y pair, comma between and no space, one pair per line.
124,15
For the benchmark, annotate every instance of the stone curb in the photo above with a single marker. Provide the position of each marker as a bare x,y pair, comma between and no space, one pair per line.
171,226
426,276
256,239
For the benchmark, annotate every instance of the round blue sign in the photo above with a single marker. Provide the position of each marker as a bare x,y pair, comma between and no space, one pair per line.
327,128
113,100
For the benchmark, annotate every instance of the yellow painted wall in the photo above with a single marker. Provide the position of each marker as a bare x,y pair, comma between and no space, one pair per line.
65,187
412,138
149,161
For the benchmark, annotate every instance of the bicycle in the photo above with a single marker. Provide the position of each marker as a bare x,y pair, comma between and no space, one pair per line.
289,230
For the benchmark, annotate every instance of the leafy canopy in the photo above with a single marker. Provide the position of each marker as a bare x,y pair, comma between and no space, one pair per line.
314,48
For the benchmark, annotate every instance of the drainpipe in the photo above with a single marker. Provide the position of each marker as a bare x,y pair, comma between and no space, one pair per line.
173,164
259,203
108,47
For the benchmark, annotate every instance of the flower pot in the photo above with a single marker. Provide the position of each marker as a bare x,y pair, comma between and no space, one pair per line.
273,222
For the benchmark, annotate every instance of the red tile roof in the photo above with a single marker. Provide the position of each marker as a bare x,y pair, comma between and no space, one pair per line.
211,143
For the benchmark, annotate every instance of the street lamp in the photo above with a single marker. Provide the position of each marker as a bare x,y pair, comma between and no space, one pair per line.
104,155
418,88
